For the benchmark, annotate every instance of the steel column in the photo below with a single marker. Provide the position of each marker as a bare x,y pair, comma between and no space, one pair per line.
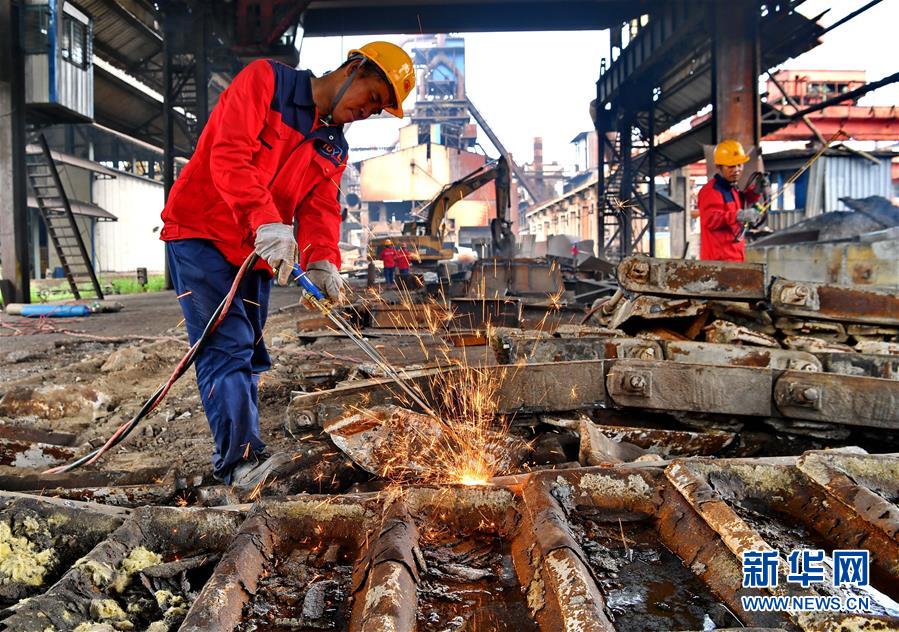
600,179
651,131
201,63
736,70
15,249
168,122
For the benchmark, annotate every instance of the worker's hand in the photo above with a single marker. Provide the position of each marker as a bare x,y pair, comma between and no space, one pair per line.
275,243
326,278
748,216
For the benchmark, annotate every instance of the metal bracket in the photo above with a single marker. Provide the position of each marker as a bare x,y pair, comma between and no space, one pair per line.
800,295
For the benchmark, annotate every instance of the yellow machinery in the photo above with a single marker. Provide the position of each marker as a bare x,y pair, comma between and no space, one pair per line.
424,238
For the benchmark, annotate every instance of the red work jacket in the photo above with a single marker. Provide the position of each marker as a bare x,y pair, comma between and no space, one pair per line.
402,259
719,202
262,158
388,256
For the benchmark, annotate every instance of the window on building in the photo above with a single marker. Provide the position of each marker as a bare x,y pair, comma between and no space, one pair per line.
73,41
37,29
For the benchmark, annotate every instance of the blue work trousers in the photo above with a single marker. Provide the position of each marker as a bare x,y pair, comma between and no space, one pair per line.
388,276
229,365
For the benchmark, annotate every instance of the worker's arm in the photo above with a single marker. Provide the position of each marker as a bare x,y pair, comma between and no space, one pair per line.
319,223
240,183
712,213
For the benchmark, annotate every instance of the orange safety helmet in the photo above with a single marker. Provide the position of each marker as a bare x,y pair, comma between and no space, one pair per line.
729,153
397,67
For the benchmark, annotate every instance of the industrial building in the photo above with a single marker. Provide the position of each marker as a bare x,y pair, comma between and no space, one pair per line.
561,413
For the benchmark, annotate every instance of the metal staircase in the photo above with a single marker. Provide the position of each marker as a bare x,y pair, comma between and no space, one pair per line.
56,212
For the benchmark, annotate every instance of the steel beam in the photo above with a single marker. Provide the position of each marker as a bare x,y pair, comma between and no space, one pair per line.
15,250
737,111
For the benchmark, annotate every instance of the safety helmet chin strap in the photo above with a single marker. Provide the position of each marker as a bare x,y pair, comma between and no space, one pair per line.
328,119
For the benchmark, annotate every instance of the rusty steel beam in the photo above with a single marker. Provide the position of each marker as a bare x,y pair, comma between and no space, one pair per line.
33,455
552,568
833,302
703,279
385,582
743,492
843,399
867,364
520,389
686,387
271,530
670,442
512,348
738,355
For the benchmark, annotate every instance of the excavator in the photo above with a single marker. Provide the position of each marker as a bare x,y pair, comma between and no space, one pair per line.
425,238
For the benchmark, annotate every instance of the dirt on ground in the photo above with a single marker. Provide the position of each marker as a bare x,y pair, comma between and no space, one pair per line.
87,376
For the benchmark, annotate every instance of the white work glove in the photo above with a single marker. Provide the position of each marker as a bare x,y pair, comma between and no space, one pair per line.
326,278
748,216
275,243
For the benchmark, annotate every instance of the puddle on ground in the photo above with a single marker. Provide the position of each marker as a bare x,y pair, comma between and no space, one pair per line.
645,585
470,584
307,589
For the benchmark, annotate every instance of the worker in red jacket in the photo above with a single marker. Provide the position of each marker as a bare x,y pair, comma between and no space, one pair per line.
388,258
402,260
723,208
271,156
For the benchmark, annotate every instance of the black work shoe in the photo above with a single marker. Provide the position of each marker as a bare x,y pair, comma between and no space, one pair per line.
248,474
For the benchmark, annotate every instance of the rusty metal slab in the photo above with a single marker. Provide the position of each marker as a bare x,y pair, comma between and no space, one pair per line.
738,355
32,434
670,443
550,316
283,540
512,349
396,443
878,347
704,279
531,388
407,316
822,329
770,504
726,332
867,483
478,313
498,278
835,302
647,307
562,593
102,585
843,399
815,345
871,365
686,387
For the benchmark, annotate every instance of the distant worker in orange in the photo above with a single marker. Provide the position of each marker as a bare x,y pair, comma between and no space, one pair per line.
723,208
388,258
403,258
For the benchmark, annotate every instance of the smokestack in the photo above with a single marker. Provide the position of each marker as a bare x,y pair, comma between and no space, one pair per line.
538,163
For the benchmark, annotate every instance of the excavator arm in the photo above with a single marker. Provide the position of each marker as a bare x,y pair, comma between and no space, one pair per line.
496,170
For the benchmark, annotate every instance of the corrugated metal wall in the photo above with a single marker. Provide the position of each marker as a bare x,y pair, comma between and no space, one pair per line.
133,241
37,83
75,87
854,177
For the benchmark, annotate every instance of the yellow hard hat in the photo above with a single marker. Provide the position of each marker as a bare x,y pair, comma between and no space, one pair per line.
729,153
396,65
387,242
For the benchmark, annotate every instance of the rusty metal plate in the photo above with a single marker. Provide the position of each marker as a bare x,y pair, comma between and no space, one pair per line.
406,316
687,387
865,364
738,355
726,332
558,386
477,313
514,349
497,278
704,279
833,302
844,399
